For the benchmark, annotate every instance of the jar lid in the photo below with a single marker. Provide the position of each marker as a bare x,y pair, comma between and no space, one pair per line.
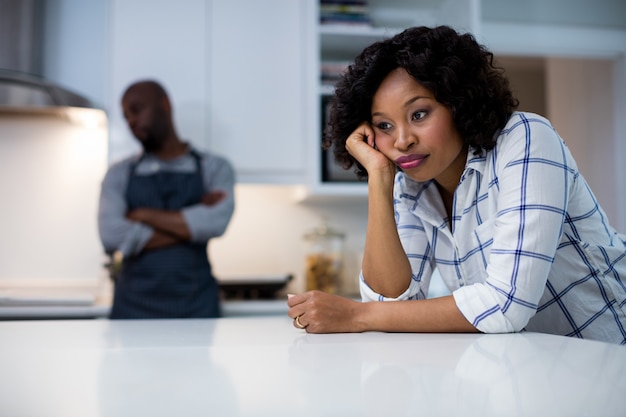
324,231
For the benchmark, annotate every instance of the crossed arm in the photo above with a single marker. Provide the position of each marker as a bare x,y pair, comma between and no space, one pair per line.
170,227
132,231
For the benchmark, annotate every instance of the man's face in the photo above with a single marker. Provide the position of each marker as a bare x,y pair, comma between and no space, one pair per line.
146,116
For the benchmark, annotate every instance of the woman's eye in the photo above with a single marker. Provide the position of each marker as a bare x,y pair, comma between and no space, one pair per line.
383,125
419,115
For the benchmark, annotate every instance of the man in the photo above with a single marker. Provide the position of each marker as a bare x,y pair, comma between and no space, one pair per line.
158,211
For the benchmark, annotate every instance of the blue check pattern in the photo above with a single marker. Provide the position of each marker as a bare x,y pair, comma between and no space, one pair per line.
529,247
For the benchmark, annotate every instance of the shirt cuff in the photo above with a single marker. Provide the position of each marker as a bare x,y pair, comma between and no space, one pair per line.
195,217
136,239
206,222
481,309
368,294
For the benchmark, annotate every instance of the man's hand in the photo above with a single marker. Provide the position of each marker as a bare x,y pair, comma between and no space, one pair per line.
163,221
138,215
213,197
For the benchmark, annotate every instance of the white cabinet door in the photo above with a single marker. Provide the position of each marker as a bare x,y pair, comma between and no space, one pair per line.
166,41
256,87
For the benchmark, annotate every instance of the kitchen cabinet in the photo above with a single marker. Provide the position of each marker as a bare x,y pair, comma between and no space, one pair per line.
257,66
169,46
234,70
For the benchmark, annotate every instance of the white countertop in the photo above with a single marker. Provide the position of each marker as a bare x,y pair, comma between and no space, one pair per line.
262,366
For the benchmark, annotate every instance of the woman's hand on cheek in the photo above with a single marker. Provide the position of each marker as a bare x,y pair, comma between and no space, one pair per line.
361,145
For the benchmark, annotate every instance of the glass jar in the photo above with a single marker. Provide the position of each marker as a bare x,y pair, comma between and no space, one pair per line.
324,260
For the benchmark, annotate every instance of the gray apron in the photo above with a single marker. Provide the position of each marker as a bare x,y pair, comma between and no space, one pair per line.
174,281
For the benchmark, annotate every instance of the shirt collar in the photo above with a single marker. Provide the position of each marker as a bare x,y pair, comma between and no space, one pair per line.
476,162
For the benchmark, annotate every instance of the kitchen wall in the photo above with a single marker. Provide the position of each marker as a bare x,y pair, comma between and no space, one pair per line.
266,235
51,165
52,162
580,101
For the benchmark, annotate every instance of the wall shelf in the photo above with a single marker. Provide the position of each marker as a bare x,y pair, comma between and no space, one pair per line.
338,43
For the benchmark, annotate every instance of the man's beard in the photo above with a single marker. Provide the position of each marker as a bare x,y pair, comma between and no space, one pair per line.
156,134
152,143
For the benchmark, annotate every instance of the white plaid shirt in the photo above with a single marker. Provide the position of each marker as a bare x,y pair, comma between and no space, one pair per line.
530,248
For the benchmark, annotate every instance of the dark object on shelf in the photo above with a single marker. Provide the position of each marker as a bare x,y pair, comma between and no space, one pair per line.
331,171
253,288
344,12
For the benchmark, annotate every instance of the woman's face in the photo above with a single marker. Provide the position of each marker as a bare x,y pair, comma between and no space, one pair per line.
416,132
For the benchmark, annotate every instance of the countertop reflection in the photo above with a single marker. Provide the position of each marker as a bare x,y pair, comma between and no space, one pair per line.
263,366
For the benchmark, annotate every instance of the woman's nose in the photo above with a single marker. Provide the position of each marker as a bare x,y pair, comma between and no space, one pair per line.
405,139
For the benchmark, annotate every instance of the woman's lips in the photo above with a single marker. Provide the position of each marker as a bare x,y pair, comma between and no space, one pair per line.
410,161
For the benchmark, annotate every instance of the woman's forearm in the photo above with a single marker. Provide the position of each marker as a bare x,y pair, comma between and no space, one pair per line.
321,312
434,315
386,268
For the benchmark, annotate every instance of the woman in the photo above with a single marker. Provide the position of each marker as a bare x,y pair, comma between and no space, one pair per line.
460,181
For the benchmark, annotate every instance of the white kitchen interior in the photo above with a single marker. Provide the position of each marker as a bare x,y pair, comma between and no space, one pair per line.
243,76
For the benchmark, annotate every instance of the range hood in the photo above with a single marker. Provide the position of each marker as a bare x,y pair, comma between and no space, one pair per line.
24,95
23,92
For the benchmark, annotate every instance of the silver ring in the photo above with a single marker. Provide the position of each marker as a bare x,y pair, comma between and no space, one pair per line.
298,323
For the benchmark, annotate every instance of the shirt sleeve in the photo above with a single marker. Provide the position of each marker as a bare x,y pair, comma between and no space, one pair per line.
116,232
534,175
415,244
206,222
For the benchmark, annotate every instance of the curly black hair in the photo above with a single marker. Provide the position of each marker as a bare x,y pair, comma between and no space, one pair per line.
458,71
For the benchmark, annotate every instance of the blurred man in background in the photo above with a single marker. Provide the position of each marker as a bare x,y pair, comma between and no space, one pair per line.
157,212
